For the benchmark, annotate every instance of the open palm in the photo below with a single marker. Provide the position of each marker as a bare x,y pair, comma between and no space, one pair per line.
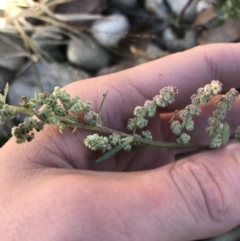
52,189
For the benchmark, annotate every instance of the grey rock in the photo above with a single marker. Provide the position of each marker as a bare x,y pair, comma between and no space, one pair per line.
175,44
177,7
157,7
42,76
10,47
87,53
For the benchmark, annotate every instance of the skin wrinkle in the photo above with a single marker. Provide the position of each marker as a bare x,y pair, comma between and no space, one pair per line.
202,194
221,200
215,210
173,170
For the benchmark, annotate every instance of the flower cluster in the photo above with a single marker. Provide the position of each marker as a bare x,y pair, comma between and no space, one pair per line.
24,131
203,96
216,129
96,142
56,109
149,108
6,113
76,105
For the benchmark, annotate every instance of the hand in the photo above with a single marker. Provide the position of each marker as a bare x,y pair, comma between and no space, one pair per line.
51,189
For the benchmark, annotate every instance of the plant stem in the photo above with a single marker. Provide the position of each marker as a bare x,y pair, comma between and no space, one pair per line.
141,141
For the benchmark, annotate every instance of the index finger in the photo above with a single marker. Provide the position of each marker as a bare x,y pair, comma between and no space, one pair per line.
187,71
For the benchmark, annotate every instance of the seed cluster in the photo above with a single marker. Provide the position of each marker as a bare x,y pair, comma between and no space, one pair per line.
203,96
6,112
56,109
96,142
216,129
165,97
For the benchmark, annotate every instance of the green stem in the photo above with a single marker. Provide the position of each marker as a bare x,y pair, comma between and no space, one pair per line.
106,130
139,140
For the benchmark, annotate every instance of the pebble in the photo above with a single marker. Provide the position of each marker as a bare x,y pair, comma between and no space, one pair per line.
87,53
110,30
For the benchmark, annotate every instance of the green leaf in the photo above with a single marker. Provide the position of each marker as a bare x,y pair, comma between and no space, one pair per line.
6,92
225,133
110,153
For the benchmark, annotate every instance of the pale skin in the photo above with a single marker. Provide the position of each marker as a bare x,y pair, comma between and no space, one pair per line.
51,189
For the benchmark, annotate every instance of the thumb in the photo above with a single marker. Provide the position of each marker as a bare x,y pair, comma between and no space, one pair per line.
198,197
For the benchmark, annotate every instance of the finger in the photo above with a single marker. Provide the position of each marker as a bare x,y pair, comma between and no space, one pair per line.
187,70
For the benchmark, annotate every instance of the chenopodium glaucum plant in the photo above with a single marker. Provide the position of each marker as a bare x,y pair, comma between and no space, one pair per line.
60,109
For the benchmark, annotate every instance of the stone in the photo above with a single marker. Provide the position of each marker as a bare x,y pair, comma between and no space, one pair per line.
110,30
177,7
10,47
174,44
87,53
42,76
157,7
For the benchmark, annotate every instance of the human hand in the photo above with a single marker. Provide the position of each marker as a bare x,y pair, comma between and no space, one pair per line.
48,191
